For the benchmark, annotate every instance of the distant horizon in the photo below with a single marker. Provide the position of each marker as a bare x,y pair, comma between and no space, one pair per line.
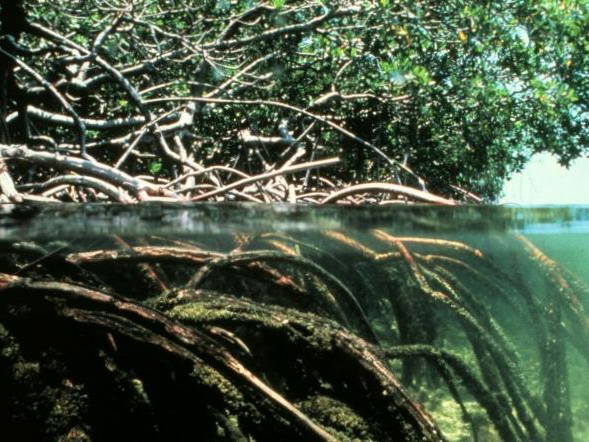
544,182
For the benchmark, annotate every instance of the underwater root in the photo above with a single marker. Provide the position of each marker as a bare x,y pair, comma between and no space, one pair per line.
204,365
271,336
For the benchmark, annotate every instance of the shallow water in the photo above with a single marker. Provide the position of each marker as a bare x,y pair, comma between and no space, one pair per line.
500,293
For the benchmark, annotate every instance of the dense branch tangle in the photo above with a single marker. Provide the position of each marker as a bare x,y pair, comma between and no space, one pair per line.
428,309
151,101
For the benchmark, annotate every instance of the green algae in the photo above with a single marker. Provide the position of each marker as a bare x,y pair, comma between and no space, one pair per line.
344,423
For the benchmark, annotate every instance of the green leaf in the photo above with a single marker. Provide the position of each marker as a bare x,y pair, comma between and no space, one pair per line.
181,88
278,4
155,167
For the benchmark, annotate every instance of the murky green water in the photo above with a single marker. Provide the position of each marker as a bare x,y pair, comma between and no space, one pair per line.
480,312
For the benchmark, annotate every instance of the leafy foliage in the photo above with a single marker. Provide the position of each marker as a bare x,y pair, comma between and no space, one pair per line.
460,92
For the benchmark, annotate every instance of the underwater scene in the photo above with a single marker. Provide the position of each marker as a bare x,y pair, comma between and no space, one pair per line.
244,322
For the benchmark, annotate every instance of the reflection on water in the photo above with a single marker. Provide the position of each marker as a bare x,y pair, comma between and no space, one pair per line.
480,312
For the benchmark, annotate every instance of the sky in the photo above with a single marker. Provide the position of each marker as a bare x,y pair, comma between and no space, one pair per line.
545,182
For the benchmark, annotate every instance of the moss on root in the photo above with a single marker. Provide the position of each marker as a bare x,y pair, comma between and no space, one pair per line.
74,381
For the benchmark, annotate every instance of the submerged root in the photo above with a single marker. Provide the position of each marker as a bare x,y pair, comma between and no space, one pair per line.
179,346
297,342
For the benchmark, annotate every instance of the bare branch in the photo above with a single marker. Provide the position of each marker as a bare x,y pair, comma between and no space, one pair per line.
85,181
388,188
265,176
141,189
